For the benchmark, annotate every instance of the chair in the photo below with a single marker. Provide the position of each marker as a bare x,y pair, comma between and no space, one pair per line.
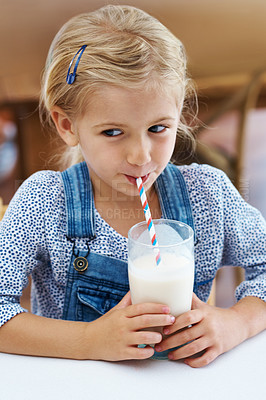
244,100
2,208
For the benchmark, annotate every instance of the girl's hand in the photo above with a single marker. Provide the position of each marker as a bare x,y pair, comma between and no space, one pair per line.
207,330
119,332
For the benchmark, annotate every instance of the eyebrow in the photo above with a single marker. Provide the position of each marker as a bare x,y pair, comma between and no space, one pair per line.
102,124
164,118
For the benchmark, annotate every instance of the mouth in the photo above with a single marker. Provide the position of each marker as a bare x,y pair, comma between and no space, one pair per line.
132,179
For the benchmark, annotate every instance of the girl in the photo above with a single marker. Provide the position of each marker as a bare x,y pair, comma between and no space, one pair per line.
115,88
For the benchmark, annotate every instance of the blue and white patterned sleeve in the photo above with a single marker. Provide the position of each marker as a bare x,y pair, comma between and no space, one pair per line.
22,242
244,241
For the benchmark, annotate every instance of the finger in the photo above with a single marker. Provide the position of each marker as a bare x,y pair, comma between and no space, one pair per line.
125,302
147,308
202,361
146,337
183,321
135,353
151,321
180,338
141,353
189,349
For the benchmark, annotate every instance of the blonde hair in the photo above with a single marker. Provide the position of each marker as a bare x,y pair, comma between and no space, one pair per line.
126,47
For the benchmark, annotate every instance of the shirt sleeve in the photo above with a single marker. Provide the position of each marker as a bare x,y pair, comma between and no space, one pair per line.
22,243
244,241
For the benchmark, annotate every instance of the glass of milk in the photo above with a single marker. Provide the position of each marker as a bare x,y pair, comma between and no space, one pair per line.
170,282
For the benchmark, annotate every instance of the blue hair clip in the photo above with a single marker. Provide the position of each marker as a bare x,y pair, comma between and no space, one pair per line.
72,76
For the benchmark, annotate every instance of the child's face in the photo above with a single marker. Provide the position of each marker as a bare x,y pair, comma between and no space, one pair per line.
125,134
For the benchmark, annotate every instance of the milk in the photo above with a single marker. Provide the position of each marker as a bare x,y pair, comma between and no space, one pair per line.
170,283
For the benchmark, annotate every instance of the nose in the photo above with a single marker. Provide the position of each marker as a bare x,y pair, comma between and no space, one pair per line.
139,152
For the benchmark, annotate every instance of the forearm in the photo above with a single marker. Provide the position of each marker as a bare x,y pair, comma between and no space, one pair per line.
114,336
252,311
29,334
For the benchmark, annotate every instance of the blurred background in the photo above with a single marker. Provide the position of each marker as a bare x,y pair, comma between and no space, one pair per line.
226,47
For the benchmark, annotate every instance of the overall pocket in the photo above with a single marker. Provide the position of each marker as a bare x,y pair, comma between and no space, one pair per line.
92,303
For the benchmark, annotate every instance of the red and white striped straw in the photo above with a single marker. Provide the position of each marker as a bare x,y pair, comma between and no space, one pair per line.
148,218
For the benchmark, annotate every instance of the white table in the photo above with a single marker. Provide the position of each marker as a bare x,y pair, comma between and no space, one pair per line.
239,374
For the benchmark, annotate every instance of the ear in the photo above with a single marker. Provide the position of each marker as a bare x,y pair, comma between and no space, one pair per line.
64,126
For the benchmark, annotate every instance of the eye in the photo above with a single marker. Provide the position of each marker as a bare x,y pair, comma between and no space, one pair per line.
112,132
157,128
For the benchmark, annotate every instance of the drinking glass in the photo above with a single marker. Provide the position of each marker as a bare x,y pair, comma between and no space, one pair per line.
171,281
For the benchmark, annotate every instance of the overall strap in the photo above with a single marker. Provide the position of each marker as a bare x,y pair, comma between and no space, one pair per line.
170,186
79,201
173,195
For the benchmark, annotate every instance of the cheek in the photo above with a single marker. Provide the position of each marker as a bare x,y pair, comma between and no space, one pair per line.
166,147
100,157
93,150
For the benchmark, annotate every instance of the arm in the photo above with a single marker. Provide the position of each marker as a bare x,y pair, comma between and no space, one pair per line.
22,241
114,336
214,330
24,248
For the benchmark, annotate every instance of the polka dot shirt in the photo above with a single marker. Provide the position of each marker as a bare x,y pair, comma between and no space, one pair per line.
33,240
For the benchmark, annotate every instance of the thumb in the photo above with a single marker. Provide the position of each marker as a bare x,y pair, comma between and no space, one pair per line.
196,302
125,302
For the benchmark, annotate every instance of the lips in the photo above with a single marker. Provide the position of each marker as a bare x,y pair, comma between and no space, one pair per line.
132,179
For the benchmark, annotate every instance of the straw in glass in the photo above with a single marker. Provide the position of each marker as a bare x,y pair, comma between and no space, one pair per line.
148,218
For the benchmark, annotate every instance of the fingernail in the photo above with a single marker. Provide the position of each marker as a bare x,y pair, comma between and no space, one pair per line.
157,348
166,310
170,356
166,331
172,319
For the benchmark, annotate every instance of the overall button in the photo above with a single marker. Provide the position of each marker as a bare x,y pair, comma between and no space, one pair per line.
80,264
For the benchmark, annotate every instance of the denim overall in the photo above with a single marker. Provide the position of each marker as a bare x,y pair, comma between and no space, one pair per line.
96,283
